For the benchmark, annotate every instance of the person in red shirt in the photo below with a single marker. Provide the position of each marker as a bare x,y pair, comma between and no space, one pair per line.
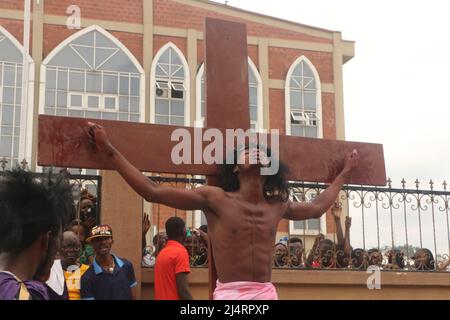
172,264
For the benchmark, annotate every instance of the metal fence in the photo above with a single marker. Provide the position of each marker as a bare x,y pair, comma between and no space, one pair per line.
393,228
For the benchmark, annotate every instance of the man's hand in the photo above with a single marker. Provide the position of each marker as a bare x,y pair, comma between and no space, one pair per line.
319,237
348,222
145,223
336,210
98,138
351,162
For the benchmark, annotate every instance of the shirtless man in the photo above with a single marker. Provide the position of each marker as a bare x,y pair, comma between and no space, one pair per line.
243,216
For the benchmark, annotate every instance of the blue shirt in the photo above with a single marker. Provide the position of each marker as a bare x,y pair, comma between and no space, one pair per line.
96,284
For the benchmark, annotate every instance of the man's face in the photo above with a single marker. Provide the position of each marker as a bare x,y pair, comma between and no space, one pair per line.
295,248
102,245
376,258
85,206
70,249
280,251
251,156
420,259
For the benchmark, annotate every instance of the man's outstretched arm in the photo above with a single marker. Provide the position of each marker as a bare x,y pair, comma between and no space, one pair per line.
314,209
148,189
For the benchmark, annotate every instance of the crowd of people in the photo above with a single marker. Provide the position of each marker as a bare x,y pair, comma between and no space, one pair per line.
37,213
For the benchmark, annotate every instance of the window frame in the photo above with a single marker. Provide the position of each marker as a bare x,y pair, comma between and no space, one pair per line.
288,109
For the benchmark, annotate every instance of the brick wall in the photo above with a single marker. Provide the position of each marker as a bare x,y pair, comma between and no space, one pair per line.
281,59
173,14
113,10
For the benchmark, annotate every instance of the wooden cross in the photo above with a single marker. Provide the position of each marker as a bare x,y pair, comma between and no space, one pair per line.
63,142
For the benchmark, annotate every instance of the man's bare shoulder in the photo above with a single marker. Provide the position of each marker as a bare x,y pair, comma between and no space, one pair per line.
211,191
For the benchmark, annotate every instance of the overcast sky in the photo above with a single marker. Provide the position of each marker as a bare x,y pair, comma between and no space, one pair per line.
396,88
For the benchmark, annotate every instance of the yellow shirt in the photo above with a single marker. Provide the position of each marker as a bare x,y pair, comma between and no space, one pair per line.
73,279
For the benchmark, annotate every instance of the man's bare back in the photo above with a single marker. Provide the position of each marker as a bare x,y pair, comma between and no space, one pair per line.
242,225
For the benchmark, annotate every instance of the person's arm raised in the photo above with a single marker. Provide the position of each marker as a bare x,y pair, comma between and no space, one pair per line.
314,209
151,191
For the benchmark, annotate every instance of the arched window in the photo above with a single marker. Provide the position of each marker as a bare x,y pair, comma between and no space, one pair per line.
92,74
303,100
255,96
169,92
11,99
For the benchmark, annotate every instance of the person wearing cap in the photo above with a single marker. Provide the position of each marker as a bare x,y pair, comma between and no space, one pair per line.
109,277
172,265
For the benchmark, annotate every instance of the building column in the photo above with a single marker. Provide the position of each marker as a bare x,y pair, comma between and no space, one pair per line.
263,58
192,62
338,86
147,52
122,210
37,52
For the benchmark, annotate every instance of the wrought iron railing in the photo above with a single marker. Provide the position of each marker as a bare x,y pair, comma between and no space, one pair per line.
393,228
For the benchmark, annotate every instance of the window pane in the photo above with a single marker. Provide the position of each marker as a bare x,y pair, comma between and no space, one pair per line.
93,102
1,73
51,79
162,107
123,103
310,100
313,224
7,115
19,76
62,99
161,120
50,98
62,80
134,104
61,112
76,100
110,103
110,84
165,56
109,115
6,131
307,72
175,58
8,95
18,96
296,131
124,85
134,118
177,108
76,81
177,121
253,96
76,113
50,111
93,82
311,132
299,224
134,86
123,116
253,113
5,146
93,114
17,115
9,76
296,99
